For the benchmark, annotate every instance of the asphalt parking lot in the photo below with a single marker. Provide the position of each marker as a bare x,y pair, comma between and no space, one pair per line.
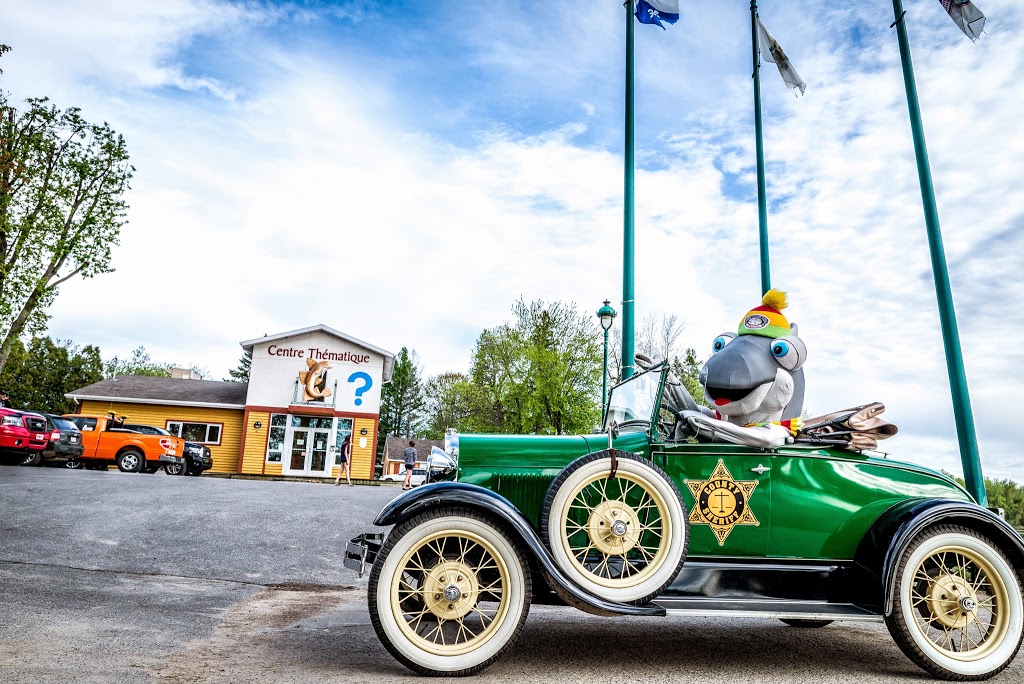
110,577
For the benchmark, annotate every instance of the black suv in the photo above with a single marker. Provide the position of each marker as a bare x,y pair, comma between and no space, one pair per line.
197,457
64,443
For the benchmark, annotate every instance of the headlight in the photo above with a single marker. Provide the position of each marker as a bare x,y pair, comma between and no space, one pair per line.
441,466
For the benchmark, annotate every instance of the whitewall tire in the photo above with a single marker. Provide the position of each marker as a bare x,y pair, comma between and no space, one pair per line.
449,592
622,538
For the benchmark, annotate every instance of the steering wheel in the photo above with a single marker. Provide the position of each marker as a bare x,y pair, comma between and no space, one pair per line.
679,419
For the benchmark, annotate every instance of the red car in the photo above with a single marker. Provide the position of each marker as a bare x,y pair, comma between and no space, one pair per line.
21,435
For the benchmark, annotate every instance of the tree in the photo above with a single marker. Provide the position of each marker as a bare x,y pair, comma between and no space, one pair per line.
62,182
38,377
240,373
452,402
659,340
540,373
140,363
1005,494
401,400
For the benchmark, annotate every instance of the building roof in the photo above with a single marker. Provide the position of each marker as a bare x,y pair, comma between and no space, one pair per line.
141,389
389,358
394,446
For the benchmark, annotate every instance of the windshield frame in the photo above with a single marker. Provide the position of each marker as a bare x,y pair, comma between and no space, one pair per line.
652,427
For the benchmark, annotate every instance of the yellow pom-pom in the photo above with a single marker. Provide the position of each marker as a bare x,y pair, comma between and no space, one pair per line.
776,299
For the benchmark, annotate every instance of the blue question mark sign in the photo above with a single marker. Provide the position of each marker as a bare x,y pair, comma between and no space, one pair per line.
367,384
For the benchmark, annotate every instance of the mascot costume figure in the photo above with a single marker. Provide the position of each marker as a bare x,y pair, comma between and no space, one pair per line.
754,380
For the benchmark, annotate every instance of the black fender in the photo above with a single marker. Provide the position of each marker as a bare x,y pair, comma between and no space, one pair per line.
883,546
442,494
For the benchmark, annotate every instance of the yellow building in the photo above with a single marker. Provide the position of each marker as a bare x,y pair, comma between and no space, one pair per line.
308,390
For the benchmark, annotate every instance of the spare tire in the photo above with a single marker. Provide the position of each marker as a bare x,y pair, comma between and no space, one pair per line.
621,536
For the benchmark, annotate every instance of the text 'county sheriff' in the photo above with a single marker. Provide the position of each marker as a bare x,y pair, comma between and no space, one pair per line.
318,354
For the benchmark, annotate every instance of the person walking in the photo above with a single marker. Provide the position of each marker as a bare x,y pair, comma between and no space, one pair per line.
409,456
346,462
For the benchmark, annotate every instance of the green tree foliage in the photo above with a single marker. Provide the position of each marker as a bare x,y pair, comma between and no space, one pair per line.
453,402
38,376
62,185
240,373
540,373
1005,494
402,400
139,363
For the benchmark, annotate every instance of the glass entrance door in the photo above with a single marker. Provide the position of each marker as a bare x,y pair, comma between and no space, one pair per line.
317,463
299,452
308,453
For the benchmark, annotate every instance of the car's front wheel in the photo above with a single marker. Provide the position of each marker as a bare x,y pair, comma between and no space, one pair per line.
449,592
616,527
958,612
73,464
130,461
176,469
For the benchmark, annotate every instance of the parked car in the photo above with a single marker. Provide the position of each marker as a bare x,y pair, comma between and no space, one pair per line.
64,443
419,476
633,523
197,456
22,435
108,443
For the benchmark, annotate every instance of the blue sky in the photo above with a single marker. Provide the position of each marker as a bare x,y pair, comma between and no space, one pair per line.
404,171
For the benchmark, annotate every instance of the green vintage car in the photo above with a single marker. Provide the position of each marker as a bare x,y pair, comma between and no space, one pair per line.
631,522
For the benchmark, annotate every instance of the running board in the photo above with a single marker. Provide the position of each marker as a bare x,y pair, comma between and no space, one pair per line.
788,610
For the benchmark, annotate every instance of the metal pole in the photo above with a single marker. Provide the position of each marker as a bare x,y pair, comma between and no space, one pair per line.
604,381
628,210
947,317
762,197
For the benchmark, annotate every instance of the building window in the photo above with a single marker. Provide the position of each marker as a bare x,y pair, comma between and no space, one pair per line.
344,428
204,433
275,441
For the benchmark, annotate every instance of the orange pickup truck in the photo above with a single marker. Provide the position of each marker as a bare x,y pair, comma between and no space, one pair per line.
106,443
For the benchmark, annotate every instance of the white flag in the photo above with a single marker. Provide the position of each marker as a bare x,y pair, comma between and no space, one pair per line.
772,52
968,17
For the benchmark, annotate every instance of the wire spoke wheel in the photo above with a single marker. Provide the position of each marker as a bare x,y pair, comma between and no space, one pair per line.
616,530
621,536
959,612
448,592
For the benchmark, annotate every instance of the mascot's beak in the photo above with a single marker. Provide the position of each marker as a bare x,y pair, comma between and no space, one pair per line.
745,365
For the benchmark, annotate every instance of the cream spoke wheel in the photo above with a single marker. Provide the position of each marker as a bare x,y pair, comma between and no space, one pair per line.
621,537
959,610
449,592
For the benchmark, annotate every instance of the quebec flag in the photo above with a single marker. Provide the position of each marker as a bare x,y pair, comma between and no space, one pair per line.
657,11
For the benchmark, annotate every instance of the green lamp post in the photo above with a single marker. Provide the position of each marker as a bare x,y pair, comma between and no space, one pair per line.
606,314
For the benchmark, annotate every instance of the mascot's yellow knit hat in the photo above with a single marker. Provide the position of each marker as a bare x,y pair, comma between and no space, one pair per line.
767,320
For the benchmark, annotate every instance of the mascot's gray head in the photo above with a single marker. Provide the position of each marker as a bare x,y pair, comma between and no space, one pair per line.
755,375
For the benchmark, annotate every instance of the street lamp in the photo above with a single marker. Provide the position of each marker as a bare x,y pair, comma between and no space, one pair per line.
606,314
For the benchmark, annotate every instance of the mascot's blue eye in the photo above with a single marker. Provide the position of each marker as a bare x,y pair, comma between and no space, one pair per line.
719,343
780,349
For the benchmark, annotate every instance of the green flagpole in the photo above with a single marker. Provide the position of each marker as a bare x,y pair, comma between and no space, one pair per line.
628,211
762,201
947,317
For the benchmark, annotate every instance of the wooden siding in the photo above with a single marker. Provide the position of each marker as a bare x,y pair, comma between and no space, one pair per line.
254,456
363,458
225,454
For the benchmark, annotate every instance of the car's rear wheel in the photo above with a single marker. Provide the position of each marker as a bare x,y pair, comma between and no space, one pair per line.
958,612
449,592
620,535
74,464
176,469
130,461
32,459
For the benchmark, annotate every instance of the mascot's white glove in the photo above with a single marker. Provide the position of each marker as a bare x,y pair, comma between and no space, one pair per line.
769,436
